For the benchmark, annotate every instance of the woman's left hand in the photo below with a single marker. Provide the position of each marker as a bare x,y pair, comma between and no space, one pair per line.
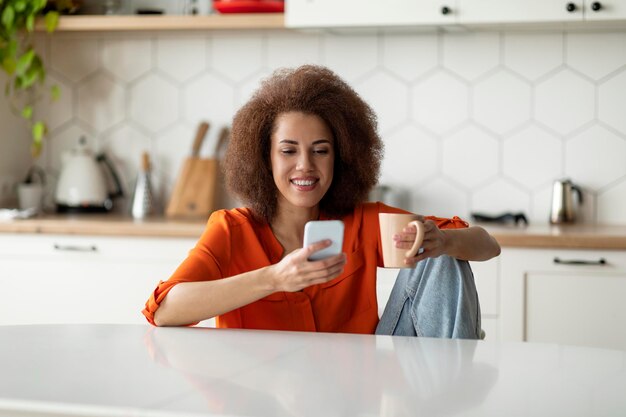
433,245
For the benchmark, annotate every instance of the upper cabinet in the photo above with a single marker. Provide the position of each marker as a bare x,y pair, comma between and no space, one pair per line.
372,13
516,11
605,10
367,13
364,13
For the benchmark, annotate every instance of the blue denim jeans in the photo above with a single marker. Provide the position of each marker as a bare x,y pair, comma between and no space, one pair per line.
437,298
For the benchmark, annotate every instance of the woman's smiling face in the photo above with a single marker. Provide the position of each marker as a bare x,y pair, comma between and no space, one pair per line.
302,157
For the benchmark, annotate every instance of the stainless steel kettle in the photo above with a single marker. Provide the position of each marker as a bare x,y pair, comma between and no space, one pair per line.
563,206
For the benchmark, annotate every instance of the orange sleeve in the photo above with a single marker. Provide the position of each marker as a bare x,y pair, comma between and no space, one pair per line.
441,222
206,261
445,223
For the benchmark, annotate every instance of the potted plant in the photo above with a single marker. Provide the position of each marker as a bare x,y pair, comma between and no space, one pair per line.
22,64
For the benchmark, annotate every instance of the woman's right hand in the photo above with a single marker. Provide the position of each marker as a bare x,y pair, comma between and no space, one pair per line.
295,272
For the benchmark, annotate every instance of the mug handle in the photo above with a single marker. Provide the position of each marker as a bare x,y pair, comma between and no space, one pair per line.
419,237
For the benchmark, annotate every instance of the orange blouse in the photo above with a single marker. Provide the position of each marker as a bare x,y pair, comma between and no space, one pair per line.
234,243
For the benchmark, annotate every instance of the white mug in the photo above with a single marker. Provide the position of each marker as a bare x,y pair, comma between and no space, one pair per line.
30,196
393,223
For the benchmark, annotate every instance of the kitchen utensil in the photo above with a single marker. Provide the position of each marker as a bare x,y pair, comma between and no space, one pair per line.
563,206
143,203
504,218
83,186
195,191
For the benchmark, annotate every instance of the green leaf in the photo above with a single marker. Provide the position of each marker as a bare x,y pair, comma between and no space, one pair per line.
9,64
30,22
20,5
55,92
12,48
28,79
39,4
27,112
37,66
39,129
24,62
52,20
8,15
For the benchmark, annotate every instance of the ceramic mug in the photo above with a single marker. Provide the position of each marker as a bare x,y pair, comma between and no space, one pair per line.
391,224
30,196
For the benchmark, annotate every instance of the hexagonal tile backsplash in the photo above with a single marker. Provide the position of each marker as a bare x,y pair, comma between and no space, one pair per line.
476,121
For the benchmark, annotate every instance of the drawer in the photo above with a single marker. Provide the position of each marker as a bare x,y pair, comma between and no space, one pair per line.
563,260
34,246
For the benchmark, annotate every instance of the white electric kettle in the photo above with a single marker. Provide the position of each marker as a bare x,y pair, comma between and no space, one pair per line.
83,185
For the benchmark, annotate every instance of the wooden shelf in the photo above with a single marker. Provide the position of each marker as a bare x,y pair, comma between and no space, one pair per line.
238,21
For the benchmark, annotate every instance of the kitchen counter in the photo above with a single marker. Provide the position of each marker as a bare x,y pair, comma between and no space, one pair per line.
534,236
576,236
138,370
105,225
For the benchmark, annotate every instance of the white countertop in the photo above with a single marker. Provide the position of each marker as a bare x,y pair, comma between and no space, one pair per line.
126,370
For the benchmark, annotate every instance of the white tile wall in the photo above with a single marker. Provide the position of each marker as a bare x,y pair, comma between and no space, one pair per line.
472,121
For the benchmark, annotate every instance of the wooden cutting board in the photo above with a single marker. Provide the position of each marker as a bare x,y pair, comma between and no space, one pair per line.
194,195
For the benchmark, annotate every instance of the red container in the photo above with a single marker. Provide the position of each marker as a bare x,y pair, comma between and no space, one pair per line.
249,6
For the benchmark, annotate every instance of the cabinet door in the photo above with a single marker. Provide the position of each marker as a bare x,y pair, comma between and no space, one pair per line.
605,10
67,279
580,303
486,279
79,291
364,13
516,11
577,308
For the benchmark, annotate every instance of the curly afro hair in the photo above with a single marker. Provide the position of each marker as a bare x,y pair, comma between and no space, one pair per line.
312,90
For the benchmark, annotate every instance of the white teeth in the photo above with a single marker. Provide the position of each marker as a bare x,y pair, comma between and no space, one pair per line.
303,183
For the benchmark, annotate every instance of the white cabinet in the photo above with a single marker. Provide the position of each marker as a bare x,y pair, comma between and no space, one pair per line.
486,279
390,13
86,279
519,11
606,10
563,296
364,13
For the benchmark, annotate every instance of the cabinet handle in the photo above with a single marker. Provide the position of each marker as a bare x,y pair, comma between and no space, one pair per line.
600,261
596,5
570,7
76,248
445,10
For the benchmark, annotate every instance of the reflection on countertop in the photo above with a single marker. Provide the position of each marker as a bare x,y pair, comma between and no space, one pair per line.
138,370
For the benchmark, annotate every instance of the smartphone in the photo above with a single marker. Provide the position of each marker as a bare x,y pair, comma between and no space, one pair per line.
317,230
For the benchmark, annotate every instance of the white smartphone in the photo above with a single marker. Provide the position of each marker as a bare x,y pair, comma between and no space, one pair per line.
317,230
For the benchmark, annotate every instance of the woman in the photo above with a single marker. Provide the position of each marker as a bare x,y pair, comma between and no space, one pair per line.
305,147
